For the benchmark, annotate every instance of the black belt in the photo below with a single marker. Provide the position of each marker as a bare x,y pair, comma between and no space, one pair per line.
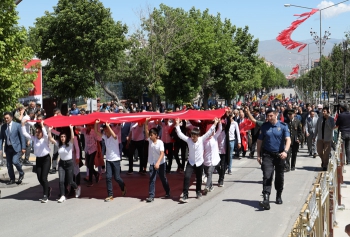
272,153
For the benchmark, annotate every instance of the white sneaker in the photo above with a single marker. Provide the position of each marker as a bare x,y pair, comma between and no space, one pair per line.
78,192
62,199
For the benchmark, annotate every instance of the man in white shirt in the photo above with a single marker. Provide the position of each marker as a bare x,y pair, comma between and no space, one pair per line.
156,162
195,157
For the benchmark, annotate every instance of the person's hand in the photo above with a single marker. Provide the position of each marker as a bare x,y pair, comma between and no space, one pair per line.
23,151
107,124
313,139
283,155
259,160
97,121
70,126
156,166
148,119
177,121
50,128
216,120
239,145
298,141
77,161
28,143
22,111
307,134
42,123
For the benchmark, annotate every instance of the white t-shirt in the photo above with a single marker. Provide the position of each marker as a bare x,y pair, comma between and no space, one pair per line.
66,153
112,148
154,150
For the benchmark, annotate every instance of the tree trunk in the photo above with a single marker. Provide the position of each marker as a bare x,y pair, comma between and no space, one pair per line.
99,79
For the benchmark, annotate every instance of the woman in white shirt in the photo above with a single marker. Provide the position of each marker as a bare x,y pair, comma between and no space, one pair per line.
211,158
112,159
65,165
156,161
42,153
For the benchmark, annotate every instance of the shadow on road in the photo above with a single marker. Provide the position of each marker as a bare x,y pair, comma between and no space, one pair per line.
251,203
137,187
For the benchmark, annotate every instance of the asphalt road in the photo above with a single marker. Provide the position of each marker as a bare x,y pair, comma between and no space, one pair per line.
232,210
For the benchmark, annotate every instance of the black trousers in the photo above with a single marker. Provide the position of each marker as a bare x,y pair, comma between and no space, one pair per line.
180,146
90,159
136,145
188,173
221,167
292,155
42,170
254,141
270,164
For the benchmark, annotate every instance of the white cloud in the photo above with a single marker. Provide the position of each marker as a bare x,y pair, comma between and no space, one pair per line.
333,11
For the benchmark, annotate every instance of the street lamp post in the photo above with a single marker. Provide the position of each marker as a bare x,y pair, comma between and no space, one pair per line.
345,48
320,37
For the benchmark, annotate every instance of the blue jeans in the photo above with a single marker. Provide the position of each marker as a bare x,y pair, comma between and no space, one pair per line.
12,158
232,145
152,179
113,170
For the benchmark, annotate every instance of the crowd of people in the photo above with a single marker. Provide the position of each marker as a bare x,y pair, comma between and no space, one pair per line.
271,132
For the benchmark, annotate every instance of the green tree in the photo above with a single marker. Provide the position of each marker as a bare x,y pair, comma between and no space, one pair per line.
14,54
81,35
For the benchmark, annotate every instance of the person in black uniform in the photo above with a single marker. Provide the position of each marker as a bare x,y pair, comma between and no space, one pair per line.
296,134
273,145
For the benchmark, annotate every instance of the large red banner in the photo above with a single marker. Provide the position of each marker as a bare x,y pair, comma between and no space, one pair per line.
64,121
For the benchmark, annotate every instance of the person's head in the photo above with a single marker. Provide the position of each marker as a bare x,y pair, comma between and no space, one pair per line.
312,114
39,117
74,106
195,134
38,132
262,110
82,111
31,114
343,107
271,116
38,105
106,130
57,112
290,106
325,112
8,117
32,105
241,113
320,107
64,139
291,114
347,229
153,134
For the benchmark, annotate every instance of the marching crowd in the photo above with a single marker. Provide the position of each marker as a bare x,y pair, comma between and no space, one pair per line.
271,132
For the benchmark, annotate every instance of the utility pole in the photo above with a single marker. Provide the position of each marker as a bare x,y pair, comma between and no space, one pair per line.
18,2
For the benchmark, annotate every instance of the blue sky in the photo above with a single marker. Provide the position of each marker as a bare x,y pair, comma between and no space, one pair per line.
264,18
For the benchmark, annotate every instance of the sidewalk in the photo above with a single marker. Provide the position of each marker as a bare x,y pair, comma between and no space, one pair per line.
3,169
343,216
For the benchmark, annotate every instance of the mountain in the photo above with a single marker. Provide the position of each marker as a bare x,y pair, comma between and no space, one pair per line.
285,59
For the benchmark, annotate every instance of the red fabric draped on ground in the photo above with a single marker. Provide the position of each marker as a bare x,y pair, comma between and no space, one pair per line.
285,36
64,121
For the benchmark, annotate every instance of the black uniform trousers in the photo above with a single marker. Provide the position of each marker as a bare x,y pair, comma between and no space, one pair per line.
292,156
271,162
